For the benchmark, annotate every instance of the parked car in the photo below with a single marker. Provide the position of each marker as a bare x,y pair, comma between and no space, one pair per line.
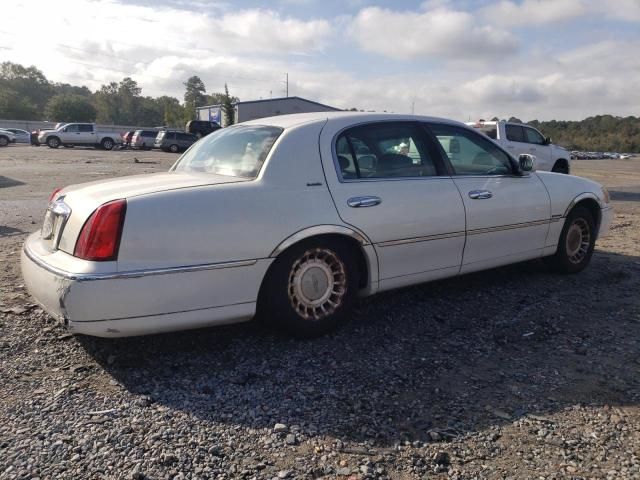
201,128
6,137
518,138
143,139
279,215
171,141
22,136
79,134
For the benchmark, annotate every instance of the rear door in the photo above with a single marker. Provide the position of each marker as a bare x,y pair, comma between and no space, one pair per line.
507,214
388,181
87,135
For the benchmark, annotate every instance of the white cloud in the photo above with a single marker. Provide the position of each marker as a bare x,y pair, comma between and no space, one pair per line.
546,12
533,12
436,33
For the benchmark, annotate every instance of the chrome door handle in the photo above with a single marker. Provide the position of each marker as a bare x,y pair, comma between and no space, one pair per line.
368,201
480,194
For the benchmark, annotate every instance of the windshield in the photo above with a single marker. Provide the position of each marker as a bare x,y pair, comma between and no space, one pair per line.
237,151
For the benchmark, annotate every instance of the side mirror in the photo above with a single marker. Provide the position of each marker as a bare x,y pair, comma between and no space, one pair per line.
64,129
526,162
547,140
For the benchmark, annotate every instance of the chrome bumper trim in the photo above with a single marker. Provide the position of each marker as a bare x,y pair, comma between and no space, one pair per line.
84,277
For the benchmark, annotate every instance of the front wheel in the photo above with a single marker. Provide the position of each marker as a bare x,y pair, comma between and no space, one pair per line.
53,142
107,144
4,141
311,288
576,244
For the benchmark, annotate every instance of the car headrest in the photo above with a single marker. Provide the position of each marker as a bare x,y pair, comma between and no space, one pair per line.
344,162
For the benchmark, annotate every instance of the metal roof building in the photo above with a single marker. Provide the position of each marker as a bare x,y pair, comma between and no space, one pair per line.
253,109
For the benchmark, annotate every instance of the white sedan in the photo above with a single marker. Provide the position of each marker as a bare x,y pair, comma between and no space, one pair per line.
296,217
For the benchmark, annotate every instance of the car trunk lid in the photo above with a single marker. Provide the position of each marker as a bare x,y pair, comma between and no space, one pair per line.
71,207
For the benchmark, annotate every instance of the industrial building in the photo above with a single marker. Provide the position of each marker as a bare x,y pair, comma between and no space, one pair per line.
253,109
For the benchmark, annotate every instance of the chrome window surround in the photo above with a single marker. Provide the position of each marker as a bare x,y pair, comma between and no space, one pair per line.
341,179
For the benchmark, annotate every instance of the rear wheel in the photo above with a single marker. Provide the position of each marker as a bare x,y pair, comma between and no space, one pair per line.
107,143
53,142
576,244
311,288
173,148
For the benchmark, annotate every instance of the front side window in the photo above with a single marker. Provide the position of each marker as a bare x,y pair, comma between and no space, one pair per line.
237,151
471,153
514,133
384,150
533,136
71,128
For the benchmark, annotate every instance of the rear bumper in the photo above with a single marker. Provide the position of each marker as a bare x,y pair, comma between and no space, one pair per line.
143,302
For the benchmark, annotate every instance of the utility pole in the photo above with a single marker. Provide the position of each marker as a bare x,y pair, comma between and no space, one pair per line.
413,106
287,84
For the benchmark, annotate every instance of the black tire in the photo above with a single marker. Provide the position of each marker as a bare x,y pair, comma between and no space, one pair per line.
174,148
53,142
305,269
4,141
107,143
561,166
576,244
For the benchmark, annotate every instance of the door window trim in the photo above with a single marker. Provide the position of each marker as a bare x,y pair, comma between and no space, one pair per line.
515,170
441,167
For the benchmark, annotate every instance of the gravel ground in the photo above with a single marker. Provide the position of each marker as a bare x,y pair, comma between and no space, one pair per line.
513,373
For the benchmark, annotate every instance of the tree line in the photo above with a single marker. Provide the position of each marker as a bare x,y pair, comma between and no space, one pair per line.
26,94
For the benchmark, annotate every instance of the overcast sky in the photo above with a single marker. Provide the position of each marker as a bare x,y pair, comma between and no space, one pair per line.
462,59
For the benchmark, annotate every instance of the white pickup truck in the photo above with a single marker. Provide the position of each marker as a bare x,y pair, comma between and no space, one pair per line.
84,134
518,138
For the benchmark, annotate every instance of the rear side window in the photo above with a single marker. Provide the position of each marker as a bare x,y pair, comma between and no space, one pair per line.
85,128
149,133
186,137
384,150
514,133
471,153
237,151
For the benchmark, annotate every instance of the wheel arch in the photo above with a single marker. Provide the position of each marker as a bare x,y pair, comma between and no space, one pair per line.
564,162
366,258
590,202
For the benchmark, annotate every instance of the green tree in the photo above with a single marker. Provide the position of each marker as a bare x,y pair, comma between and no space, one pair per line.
15,107
129,99
70,108
228,108
194,96
28,83
173,112
108,104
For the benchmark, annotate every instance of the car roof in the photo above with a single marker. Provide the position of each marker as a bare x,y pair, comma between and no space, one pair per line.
289,121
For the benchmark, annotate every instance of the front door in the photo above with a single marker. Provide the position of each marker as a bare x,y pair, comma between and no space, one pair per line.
507,214
388,181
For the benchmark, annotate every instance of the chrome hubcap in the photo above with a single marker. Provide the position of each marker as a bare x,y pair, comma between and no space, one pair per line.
317,284
578,240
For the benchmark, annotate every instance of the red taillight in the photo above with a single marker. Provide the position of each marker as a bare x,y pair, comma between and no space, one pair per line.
54,194
99,239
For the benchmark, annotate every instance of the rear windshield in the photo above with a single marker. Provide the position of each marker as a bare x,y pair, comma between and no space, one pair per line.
237,151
